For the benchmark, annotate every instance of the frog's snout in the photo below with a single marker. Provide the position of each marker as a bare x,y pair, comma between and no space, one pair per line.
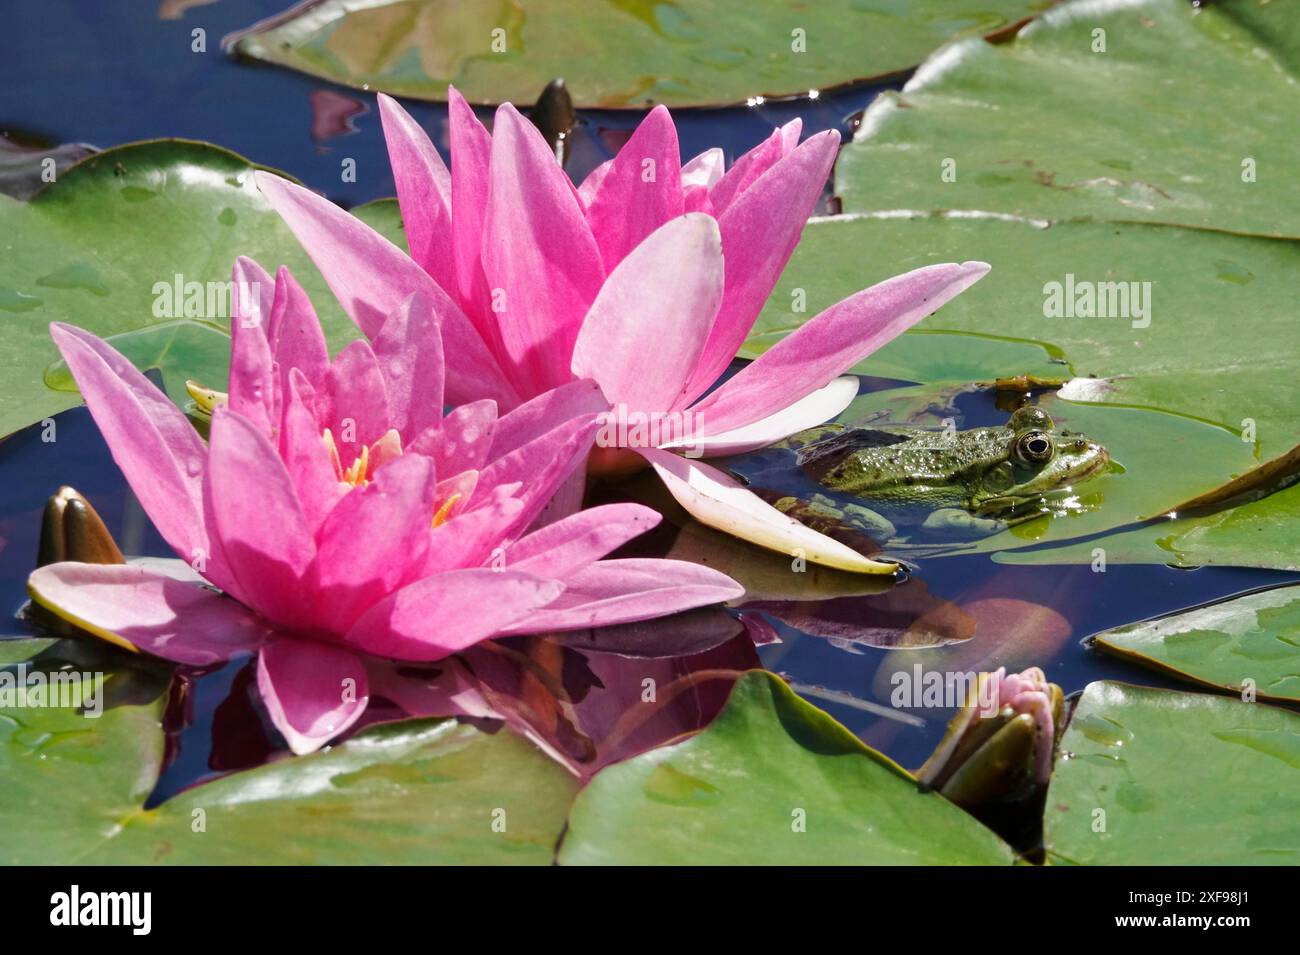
1092,454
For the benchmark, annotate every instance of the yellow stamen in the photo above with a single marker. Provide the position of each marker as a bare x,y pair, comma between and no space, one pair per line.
444,512
356,475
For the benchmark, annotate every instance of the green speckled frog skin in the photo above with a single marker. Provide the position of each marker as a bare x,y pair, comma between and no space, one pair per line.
954,479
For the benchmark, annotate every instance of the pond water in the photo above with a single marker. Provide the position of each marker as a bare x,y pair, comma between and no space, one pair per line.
115,73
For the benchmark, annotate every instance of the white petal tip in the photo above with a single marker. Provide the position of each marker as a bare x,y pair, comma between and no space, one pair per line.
719,502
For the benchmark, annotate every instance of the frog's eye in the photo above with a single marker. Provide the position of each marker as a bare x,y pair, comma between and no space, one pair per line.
1034,447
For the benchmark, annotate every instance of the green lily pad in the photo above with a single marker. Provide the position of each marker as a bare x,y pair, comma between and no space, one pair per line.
23,648
72,781
1278,34
412,792
773,780
1168,778
98,247
417,792
1153,129
178,350
1198,298
624,53
1258,534
1251,641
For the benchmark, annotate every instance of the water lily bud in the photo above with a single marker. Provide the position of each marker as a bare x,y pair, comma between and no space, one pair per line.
554,116
72,530
999,746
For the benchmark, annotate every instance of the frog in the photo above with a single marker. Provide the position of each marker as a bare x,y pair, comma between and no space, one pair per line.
976,481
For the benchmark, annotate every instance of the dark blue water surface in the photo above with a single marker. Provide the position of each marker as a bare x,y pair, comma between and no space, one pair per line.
108,73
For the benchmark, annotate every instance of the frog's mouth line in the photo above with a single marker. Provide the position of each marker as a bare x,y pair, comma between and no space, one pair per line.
1024,506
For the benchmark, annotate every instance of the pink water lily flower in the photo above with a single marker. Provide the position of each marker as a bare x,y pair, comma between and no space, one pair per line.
336,517
646,278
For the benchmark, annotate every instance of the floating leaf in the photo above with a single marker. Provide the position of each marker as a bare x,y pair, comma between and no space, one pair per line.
1252,640
1172,364
1272,475
73,781
177,350
1259,534
1128,111
773,780
411,792
102,248
624,53
1166,778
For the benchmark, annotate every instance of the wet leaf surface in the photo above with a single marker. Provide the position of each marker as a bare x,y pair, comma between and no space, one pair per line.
773,781
102,247
623,53
1158,777
1125,125
415,792
1196,298
1247,644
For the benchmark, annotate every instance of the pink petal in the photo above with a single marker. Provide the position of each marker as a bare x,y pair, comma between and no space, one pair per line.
439,615
185,622
759,231
461,486
539,255
306,458
423,191
371,278
640,191
252,377
297,340
566,500
542,464
750,167
591,185
696,199
468,540
409,351
790,135
372,542
313,691
471,151
544,413
253,510
704,170
462,441
831,343
623,591
718,501
154,444
570,544
822,405
353,403
639,347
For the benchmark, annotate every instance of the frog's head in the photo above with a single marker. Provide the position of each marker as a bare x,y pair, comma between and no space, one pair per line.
1036,464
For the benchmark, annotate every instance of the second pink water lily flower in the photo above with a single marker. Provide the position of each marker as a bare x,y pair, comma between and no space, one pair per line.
336,518
647,278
